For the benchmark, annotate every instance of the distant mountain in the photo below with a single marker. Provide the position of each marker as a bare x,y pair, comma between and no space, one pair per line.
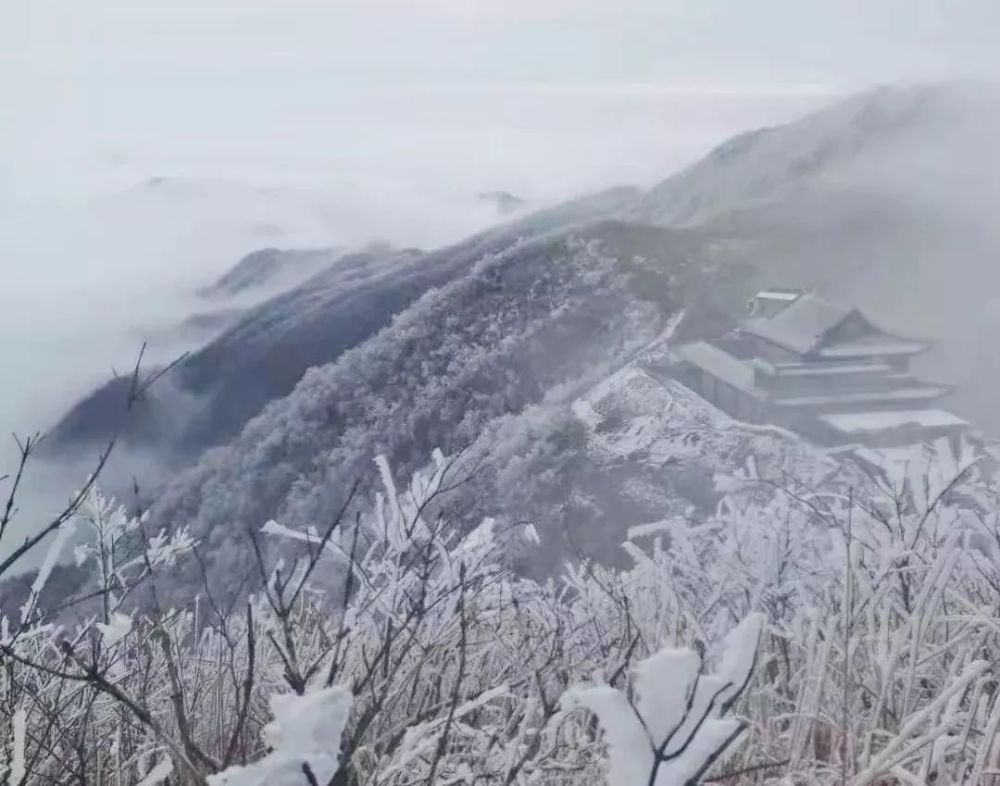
915,143
209,396
504,201
210,322
268,269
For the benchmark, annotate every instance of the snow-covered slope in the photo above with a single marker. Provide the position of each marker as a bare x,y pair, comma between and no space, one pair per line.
881,140
636,413
517,328
265,351
267,270
631,450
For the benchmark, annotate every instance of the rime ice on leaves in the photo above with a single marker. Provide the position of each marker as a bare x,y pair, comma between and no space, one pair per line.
63,535
110,534
14,770
115,630
306,731
673,730
158,774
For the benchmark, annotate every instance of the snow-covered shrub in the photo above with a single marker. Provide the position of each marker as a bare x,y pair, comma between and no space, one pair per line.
672,731
426,660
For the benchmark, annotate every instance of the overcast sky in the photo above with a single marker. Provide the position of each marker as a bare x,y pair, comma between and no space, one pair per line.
101,82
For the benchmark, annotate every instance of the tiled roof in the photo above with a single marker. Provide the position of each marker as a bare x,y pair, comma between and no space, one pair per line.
799,327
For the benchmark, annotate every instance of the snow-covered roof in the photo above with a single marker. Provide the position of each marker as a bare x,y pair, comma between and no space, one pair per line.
873,345
821,369
856,422
913,393
719,364
800,326
779,294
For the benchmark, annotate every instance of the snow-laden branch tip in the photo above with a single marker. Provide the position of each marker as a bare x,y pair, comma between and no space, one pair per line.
163,770
16,770
114,631
673,728
306,730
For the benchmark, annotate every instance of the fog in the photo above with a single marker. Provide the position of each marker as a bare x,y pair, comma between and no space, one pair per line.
113,255
150,145
92,268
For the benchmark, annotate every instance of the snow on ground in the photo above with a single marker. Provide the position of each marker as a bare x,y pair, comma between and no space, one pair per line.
586,413
661,421
682,452
879,421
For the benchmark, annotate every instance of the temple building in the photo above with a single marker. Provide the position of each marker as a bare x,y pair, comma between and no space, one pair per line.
819,369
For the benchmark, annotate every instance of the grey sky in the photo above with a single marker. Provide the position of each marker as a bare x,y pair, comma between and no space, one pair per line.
728,40
113,77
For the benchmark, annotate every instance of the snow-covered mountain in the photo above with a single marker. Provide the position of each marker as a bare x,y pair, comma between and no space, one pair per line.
491,345
884,141
267,270
512,332
264,352
885,201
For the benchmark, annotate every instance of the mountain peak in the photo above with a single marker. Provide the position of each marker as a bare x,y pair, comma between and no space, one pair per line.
834,143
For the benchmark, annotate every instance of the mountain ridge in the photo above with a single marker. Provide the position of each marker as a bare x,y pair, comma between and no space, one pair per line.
211,393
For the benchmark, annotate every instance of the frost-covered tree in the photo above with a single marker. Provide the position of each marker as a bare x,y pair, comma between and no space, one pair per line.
795,635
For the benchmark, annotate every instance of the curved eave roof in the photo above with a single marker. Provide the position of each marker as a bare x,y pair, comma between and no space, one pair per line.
803,328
